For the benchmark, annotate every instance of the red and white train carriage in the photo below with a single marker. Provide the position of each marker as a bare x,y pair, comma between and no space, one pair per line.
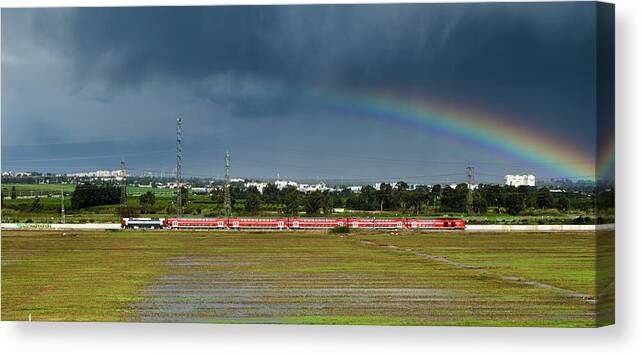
312,223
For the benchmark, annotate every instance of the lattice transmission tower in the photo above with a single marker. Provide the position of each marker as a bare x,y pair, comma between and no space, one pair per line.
123,188
179,158
470,175
228,197
62,204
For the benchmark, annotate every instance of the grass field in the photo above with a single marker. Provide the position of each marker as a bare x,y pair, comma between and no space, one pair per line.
53,188
459,278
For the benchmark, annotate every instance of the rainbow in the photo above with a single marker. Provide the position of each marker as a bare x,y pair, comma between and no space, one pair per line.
606,159
495,135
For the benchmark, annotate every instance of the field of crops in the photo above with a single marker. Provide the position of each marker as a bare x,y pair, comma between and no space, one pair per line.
458,278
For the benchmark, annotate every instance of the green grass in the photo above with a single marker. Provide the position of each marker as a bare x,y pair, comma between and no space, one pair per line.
54,188
565,260
136,191
301,278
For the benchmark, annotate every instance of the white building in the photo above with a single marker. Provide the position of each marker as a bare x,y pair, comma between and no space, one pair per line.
355,188
519,180
259,185
282,184
377,186
313,187
103,174
200,190
470,186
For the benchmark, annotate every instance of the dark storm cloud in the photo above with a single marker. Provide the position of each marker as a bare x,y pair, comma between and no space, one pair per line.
98,69
127,45
349,44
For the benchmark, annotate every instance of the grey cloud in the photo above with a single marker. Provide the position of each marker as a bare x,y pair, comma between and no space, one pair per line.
235,72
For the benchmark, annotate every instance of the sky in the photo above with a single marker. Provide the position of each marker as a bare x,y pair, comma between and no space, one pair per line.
413,92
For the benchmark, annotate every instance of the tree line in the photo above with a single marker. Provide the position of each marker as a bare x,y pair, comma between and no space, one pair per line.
422,199
398,198
89,195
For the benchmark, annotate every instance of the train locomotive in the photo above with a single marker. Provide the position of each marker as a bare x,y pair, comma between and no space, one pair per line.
142,223
292,223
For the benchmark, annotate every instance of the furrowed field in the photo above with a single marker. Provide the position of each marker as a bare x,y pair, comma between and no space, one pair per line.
497,279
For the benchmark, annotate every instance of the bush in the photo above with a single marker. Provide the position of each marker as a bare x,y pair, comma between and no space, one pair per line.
340,230
583,220
209,213
128,212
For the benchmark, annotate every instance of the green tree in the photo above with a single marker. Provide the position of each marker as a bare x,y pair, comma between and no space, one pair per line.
252,200
271,193
290,200
184,195
146,201
544,198
327,203
515,202
367,199
414,200
88,195
454,200
313,202
400,196
217,195
479,203
436,194
14,193
563,203
384,197
492,194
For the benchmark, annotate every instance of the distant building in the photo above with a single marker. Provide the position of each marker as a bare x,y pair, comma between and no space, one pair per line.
321,186
282,184
200,190
355,188
377,186
519,180
102,174
259,185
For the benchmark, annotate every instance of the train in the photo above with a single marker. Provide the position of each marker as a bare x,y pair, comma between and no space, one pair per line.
291,223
